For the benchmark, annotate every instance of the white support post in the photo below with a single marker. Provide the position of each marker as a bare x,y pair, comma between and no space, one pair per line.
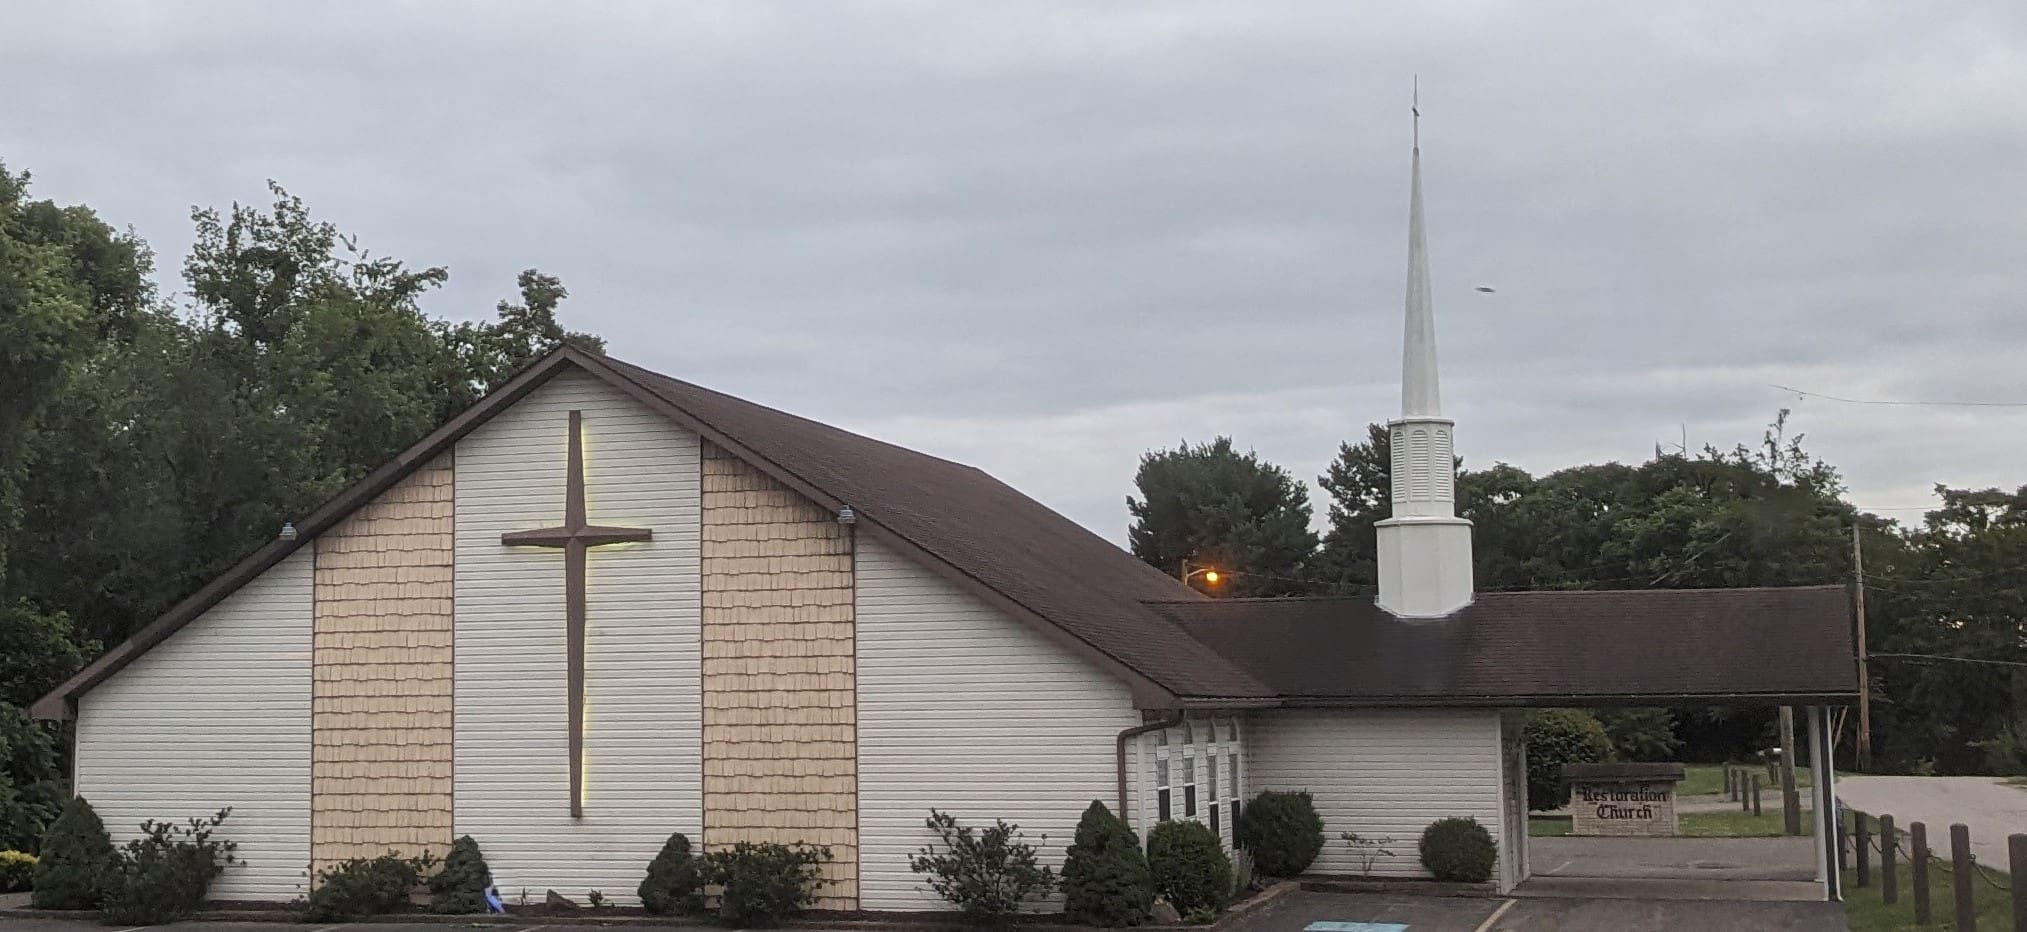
1825,801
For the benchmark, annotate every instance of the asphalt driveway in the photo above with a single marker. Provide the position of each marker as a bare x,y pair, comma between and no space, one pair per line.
1986,805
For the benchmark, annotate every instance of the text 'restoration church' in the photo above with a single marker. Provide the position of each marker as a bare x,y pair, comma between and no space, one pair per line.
604,605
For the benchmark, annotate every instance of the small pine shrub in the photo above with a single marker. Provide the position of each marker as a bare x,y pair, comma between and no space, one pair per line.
1459,851
763,882
364,887
986,873
1556,737
1282,831
1105,879
17,871
76,854
460,888
675,881
163,875
1189,866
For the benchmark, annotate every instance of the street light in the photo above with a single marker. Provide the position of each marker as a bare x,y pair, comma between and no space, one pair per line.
1210,574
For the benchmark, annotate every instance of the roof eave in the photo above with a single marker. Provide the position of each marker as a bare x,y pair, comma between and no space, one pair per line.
61,702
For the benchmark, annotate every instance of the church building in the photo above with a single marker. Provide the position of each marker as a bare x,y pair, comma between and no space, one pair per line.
604,605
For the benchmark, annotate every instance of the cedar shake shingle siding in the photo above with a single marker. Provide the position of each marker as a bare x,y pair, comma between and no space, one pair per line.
381,691
780,736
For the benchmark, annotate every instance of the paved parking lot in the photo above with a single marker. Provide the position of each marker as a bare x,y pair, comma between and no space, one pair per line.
1298,911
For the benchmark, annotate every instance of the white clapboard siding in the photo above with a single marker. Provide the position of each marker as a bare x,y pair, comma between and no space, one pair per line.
1380,773
972,712
643,734
217,715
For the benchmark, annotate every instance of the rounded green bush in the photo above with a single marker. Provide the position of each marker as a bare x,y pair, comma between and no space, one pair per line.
1189,866
1556,737
1459,851
460,888
1281,831
76,855
675,880
1105,879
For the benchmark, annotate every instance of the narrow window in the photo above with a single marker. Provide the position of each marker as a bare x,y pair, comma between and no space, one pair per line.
1161,788
1233,786
1188,787
1211,788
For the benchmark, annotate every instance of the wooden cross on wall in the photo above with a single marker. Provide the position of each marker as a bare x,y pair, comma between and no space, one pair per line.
575,536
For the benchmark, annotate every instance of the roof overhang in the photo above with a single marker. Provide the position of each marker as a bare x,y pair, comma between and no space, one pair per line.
61,702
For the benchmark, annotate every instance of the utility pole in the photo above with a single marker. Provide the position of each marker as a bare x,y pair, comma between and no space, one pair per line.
1864,662
1791,801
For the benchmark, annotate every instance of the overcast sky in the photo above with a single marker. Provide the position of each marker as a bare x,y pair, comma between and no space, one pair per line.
1043,238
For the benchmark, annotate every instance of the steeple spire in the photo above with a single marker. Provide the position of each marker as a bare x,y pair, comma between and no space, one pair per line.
1420,395
1424,548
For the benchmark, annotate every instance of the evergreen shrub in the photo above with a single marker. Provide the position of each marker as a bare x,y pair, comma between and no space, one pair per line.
460,888
163,875
364,887
1105,878
988,873
76,854
1556,737
1189,866
1282,831
675,881
762,882
1458,850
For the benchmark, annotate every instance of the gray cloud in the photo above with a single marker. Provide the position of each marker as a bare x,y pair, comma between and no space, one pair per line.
1043,238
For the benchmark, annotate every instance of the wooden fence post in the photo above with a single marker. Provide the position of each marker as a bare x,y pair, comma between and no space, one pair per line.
2016,850
1843,840
1964,876
1863,849
1731,782
1889,852
1918,835
1756,794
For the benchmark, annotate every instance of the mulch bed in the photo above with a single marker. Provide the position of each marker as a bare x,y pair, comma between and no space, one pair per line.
869,921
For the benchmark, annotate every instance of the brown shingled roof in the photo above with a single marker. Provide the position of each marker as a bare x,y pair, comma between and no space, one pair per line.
1167,642
1005,547
1651,646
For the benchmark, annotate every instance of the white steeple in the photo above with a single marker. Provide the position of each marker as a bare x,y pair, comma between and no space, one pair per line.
1424,548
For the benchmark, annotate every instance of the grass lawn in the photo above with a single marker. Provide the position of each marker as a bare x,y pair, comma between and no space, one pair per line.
1738,824
1867,913
1694,825
1539,826
1708,779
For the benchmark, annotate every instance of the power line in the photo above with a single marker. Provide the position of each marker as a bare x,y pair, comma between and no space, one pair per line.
1907,404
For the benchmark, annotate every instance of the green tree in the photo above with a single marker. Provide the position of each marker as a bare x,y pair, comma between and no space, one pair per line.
1212,505
1954,586
492,351
67,281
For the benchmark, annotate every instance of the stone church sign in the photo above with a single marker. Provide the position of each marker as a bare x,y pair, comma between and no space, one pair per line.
1622,799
